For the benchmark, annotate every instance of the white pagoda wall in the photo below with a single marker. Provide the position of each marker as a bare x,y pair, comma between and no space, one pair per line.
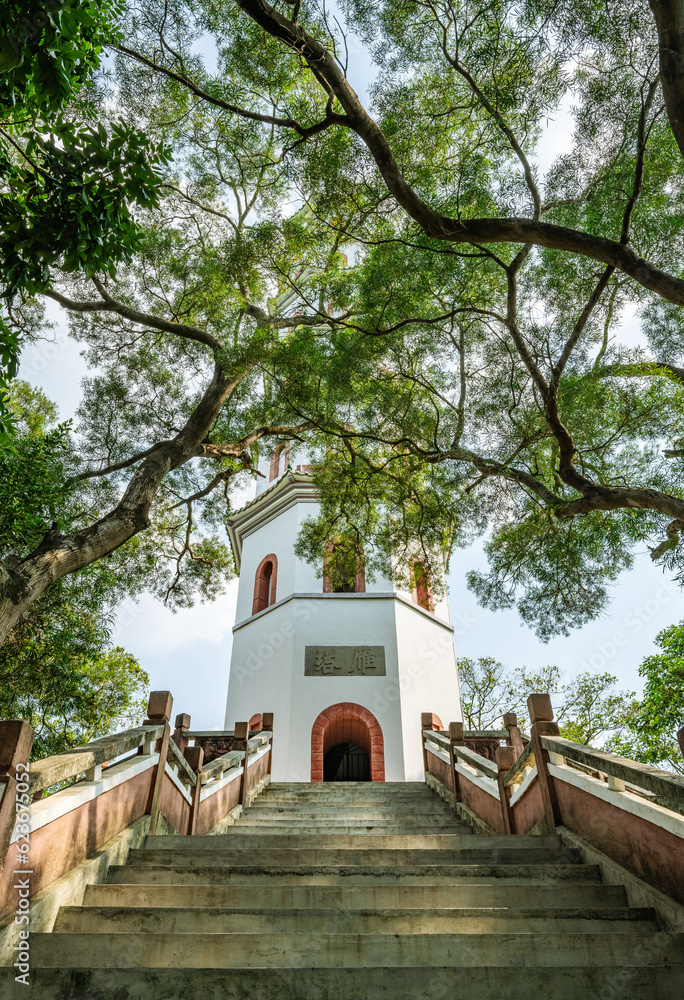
267,663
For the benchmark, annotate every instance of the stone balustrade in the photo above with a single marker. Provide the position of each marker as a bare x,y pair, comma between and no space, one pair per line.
631,812
148,775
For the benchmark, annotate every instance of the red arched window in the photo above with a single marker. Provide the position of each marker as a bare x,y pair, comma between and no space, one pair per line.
275,460
343,569
422,593
265,584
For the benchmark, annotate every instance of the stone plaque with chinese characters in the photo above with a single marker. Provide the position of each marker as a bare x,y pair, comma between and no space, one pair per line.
344,661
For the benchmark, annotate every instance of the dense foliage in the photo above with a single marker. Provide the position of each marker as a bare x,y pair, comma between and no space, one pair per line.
69,180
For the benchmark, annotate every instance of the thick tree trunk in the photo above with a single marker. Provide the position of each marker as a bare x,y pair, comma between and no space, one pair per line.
59,555
669,19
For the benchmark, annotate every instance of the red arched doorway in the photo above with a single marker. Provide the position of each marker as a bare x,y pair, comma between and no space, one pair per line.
347,723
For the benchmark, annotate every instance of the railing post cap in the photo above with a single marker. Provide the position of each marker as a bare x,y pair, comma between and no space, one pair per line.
455,731
680,738
505,758
16,740
194,757
510,719
182,721
159,706
241,730
426,720
540,708
267,720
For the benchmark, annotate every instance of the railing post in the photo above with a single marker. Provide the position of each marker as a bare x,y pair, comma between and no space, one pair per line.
195,758
159,711
425,723
182,725
510,721
680,739
542,724
267,724
455,740
242,743
16,740
505,759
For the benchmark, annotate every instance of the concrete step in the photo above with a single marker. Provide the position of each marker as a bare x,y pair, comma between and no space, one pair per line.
344,895
357,793
501,920
517,982
357,858
239,839
341,817
393,809
358,826
322,818
298,801
256,874
359,951
259,841
350,787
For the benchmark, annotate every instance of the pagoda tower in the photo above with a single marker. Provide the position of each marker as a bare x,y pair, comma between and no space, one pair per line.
347,665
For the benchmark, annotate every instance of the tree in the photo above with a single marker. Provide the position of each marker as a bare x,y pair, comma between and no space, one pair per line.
464,362
438,37
586,708
650,735
489,690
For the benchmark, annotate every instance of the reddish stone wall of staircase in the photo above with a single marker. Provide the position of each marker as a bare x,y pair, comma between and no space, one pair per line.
482,804
529,810
59,846
652,853
174,806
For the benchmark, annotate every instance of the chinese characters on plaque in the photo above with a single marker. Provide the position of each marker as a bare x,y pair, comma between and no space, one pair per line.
344,661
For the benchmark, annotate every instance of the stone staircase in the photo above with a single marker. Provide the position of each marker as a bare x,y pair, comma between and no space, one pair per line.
352,891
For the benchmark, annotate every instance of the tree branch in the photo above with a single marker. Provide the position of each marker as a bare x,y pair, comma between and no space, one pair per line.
440,227
617,498
109,304
669,20
640,369
94,473
207,449
306,131
58,555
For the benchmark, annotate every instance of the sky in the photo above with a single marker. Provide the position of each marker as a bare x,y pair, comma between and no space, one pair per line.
188,652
